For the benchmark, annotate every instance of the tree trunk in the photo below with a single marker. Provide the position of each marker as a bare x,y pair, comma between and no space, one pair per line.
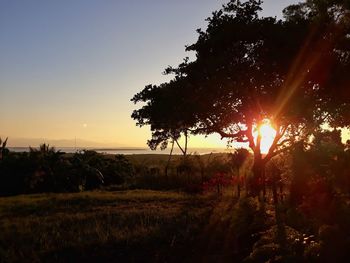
170,155
257,182
238,182
275,198
186,138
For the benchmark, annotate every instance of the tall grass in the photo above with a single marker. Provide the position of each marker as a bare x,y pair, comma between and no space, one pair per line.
95,226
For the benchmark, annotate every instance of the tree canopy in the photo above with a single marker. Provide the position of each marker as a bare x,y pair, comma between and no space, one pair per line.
248,68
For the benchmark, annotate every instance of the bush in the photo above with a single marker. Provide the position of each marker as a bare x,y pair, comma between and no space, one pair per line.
47,170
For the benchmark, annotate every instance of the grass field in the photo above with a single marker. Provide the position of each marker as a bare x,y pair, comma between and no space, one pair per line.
104,226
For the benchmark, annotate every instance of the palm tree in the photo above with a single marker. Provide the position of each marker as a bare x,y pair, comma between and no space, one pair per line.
46,159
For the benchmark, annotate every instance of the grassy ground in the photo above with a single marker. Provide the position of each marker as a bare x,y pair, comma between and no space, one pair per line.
103,226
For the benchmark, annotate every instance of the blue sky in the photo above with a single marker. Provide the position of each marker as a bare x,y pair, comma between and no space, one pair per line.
69,68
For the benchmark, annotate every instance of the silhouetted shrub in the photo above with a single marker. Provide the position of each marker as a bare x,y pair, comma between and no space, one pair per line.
44,169
118,170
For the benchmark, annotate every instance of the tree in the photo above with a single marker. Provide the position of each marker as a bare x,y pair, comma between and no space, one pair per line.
45,161
167,112
250,69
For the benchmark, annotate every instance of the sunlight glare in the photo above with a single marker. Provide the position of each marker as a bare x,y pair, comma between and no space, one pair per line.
268,134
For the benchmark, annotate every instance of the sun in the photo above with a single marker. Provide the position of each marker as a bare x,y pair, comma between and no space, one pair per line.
267,133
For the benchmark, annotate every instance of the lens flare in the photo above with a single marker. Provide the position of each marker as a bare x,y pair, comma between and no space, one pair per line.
267,133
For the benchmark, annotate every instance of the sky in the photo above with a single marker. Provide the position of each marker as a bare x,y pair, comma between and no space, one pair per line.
68,69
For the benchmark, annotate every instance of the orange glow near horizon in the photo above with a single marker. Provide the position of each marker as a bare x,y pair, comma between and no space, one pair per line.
267,133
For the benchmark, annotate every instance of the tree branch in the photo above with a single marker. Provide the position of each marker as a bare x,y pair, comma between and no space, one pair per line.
240,136
279,135
275,153
249,134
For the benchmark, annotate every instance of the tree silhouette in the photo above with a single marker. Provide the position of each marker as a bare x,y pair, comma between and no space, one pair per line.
250,68
3,149
167,113
45,161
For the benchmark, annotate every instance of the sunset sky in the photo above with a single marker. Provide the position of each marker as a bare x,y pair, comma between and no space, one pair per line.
69,68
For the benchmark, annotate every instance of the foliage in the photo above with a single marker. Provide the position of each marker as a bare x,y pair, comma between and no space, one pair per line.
315,227
267,248
250,68
46,170
218,182
164,127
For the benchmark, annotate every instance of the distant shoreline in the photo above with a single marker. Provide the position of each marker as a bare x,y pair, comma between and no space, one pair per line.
128,150
117,149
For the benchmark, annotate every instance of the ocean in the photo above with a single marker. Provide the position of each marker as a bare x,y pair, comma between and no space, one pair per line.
130,151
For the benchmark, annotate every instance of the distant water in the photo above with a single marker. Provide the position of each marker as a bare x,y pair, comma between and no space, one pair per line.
129,151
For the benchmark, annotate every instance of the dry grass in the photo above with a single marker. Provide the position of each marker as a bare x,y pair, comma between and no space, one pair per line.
99,226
